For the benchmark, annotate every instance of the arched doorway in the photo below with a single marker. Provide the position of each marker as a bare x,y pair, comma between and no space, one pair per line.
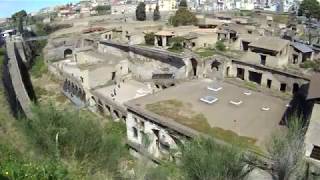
228,71
67,53
295,88
215,65
108,108
116,114
93,102
194,64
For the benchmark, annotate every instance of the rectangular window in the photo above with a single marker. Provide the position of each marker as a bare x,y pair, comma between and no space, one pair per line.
135,132
240,73
255,77
263,59
315,152
283,87
269,82
113,76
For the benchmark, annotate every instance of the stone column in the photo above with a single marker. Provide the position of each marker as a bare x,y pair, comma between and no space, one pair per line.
164,41
155,40
246,74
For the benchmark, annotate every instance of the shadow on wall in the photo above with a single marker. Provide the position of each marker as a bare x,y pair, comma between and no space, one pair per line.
26,78
299,106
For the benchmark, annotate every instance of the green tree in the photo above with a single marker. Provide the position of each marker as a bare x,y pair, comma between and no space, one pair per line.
183,17
205,159
156,13
183,4
149,38
220,46
18,19
310,8
141,12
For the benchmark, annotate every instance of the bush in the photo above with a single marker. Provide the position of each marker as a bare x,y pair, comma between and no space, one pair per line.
103,10
39,67
141,12
183,17
149,38
314,65
287,151
14,165
46,29
205,159
67,134
156,13
177,43
220,46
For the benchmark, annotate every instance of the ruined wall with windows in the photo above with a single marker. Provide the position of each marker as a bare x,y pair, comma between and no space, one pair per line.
268,78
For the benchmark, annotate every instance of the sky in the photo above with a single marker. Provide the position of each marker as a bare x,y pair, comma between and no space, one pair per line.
8,7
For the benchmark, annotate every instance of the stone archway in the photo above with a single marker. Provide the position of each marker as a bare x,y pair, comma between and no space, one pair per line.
93,101
108,108
116,114
67,53
227,71
215,65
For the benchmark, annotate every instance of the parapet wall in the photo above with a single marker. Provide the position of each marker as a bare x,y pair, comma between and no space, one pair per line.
17,81
163,56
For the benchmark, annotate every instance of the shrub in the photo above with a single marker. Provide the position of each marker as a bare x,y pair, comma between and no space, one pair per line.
205,159
103,10
39,67
67,134
149,38
287,151
14,165
177,43
220,46
314,65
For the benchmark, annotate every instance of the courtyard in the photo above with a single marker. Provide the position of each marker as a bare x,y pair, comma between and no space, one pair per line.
226,111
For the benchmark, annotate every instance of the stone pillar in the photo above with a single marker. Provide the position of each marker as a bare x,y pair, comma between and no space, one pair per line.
155,40
246,74
164,41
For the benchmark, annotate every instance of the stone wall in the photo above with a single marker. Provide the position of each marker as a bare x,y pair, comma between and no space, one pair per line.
17,81
275,77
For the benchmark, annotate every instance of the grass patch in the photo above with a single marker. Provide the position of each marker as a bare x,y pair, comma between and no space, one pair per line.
281,18
205,52
81,137
250,85
61,98
174,50
39,67
183,113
